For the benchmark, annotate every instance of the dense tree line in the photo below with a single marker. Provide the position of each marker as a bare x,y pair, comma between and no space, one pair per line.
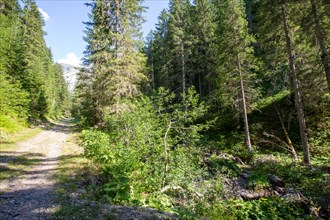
238,52
32,86
234,53
114,65
215,76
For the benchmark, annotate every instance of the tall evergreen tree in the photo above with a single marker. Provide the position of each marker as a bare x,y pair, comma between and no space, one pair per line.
34,51
204,46
180,42
162,51
321,33
283,42
113,54
235,58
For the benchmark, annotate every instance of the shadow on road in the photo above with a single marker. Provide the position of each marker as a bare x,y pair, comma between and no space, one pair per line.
27,176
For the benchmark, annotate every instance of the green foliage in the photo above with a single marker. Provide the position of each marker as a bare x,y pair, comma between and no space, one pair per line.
13,105
222,165
139,142
269,208
155,150
30,85
9,125
14,100
311,181
258,180
112,56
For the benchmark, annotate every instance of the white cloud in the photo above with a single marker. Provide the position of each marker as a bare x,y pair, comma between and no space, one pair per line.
44,14
71,59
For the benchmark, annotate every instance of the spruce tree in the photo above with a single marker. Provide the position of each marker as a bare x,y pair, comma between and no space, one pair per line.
321,33
34,51
284,40
113,53
203,46
180,42
235,58
162,53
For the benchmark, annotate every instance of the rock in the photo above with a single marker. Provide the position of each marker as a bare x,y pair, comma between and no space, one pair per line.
293,196
276,181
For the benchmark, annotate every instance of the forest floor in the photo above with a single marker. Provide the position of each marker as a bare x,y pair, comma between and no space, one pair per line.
44,177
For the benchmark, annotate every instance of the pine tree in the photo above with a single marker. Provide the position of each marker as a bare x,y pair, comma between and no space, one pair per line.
320,33
34,51
162,51
150,52
98,54
235,58
284,41
113,54
10,38
203,52
295,83
180,42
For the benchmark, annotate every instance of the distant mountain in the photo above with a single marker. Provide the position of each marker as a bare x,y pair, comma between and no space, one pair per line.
70,75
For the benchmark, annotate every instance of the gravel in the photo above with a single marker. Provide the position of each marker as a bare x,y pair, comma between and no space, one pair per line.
32,195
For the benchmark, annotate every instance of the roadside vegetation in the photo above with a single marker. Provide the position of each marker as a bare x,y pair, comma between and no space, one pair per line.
16,165
222,113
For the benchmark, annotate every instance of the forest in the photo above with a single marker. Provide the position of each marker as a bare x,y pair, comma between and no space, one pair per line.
221,112
32,86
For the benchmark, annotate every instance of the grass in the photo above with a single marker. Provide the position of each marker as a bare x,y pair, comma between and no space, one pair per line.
73,173
16,165
9,143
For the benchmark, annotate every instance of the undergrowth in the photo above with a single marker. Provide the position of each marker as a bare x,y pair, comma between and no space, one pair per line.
160,153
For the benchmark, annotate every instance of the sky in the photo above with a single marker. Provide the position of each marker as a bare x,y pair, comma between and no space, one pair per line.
65,29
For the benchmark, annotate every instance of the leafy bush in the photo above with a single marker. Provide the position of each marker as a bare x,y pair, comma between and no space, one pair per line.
270,208
9,124
150,145
13,105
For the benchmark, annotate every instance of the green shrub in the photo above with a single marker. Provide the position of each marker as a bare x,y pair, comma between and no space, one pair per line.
9,124
150,145
267,208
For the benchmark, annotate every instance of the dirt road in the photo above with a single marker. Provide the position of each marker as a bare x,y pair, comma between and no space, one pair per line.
32,195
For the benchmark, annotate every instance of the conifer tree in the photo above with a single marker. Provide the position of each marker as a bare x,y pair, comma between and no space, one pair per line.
283,38
162,51
320,33
235,58
10,38
34,51
180,42
113,54
203,44
150,52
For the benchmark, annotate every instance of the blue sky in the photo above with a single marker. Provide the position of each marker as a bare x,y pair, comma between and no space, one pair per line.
64,25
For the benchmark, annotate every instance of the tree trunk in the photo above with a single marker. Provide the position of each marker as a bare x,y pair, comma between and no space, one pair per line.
286,134
166,159
295,84
183,70
152,65
117,27
321,39
200,84
246,122
152,73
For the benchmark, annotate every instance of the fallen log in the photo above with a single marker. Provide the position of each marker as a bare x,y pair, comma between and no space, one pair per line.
250,195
